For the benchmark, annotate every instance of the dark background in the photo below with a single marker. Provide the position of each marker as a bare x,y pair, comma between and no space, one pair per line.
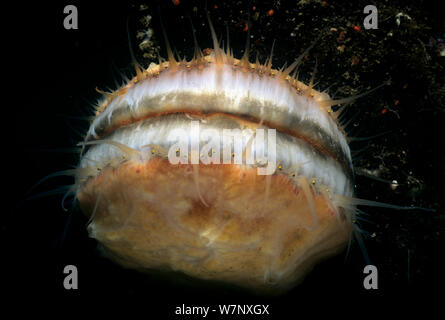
56,74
